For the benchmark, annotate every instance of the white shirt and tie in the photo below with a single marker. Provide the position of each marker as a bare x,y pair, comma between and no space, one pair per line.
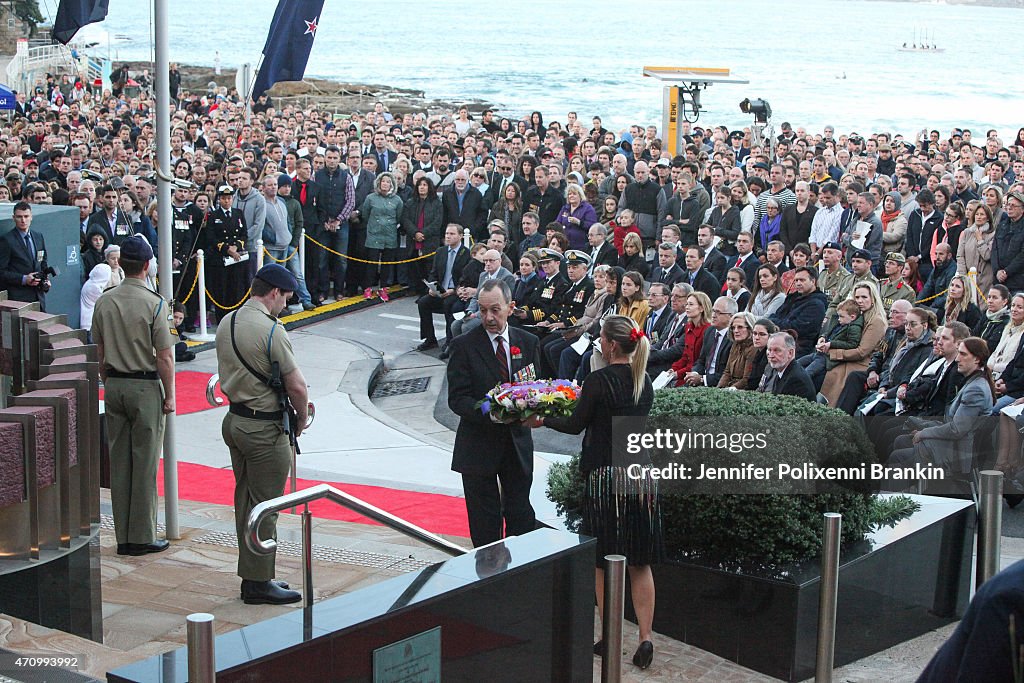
505,182
713,363
448,280
504,336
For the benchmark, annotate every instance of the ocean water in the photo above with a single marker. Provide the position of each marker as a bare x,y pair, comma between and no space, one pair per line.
817,63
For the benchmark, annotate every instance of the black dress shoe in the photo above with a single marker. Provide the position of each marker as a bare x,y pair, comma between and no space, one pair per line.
122,548
277,582
445,353
136,549
644,654
427,345
267,593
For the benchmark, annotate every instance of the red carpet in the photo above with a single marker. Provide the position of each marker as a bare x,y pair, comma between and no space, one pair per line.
434,512
190,392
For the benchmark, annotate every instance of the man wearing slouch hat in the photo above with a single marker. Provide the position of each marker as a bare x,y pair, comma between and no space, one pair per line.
254,354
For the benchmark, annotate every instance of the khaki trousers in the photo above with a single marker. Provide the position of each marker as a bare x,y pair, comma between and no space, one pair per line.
260,458
135,432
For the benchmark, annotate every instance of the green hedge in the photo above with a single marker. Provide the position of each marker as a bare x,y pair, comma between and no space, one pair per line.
763,531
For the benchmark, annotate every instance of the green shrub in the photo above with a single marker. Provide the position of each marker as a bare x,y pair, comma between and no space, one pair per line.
753,531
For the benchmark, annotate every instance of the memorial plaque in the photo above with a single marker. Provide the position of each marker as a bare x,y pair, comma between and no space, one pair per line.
416,659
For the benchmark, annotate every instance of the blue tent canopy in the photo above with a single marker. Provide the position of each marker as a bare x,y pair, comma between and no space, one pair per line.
6,98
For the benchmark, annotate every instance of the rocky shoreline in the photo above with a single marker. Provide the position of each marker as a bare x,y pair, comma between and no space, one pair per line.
336,96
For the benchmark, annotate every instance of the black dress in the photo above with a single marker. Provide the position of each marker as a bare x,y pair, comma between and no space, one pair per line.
623,514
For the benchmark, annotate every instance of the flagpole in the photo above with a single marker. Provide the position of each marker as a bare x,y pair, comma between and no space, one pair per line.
166,215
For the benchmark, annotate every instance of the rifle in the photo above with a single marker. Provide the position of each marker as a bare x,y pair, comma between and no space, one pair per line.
289,419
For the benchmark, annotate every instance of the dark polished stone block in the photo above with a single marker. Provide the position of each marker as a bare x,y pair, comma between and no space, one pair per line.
521,610
60,590
898,584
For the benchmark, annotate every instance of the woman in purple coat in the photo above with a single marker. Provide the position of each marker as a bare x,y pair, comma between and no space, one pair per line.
577,216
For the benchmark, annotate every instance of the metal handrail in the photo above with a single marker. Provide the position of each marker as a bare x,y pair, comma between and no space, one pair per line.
328,492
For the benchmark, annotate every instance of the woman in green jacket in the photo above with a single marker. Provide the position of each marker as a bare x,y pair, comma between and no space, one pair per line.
381,213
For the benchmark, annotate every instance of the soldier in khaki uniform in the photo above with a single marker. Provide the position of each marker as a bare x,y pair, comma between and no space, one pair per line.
831,281
860,261
893,288
132,329
253,428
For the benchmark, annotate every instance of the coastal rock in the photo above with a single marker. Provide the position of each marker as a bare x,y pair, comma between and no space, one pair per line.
337,96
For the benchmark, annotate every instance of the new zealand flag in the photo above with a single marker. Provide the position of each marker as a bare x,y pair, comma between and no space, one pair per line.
74,14
288,43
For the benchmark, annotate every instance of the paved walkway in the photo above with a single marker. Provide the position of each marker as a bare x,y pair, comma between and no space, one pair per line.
394,443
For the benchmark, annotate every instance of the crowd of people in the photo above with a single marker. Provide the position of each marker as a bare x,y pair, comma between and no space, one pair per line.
733,256
880,274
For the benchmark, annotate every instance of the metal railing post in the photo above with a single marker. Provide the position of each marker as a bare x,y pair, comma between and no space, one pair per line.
259,254
302,253
827,598
307,557
611,620
203,335
990,521
466,238
202,667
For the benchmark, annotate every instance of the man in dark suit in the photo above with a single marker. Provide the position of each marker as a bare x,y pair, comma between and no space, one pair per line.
745,257
785,377
659,320
667,271
602,252
464,205
488,453
22,253
715,261
116,226
504,175
669,348
698,277
385,157
449,261
714,352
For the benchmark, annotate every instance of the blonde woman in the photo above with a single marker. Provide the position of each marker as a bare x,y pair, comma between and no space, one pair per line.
975,247
866,296
742,352
962,302
621,512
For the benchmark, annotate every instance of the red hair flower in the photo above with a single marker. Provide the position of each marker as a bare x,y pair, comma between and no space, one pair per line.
636,334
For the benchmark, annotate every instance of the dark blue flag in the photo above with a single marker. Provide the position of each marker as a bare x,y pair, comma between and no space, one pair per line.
74,14
288,43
